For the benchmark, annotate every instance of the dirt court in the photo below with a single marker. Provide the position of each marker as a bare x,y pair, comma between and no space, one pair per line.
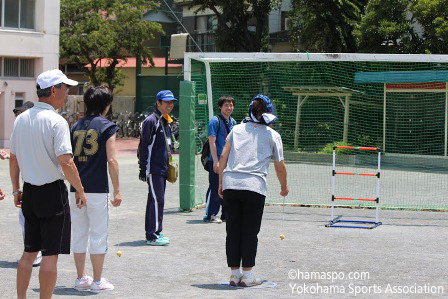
403,258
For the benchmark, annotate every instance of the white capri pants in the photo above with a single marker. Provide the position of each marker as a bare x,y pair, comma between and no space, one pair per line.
90,223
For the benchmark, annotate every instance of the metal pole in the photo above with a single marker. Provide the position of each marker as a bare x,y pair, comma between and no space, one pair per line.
166,68
332,184
138,83
298,112
378,185
446,119
187,67
346,118
208,76
384,119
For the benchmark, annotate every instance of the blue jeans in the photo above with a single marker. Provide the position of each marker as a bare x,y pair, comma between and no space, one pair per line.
213,201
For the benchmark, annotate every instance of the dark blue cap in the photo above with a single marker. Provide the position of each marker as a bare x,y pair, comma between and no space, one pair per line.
165,95
266,100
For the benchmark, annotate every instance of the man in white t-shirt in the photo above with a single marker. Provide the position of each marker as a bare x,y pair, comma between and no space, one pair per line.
41,153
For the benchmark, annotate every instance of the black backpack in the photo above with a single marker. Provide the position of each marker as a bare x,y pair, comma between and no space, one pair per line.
206,147
204,154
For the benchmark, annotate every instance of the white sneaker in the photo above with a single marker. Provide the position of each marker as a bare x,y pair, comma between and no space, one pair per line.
234,280
83,283
38,260
214,219
101,286
250,282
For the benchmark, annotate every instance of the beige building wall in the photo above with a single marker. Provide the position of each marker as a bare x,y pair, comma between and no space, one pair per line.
41,44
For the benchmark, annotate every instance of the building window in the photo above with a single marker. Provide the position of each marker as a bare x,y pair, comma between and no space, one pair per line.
17,67
206,23
285,21
11,67
80,88
20,97
26,68
201,24
17,14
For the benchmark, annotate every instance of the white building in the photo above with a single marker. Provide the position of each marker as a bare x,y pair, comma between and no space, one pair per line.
202,23
29,45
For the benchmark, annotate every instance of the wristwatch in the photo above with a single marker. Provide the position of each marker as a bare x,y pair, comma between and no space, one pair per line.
17,192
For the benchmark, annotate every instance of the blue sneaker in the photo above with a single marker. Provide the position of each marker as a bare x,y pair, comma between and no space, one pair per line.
158,242
161,236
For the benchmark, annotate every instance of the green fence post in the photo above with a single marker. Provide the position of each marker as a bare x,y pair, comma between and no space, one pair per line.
186,150
138,83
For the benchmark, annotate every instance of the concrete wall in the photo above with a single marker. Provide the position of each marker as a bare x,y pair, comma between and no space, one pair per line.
42,44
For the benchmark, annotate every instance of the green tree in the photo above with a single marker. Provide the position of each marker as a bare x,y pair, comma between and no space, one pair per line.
325,25
114,29
233,32
385,28
433,16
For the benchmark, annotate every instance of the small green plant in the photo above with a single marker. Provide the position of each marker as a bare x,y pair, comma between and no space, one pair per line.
364,140
328,148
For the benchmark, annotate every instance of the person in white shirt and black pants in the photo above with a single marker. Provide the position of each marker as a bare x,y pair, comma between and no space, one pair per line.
41,153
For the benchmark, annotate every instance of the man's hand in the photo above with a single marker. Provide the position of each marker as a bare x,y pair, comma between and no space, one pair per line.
215,167
18,200
142,175
284,191
220,191
2,194
117,199
81,199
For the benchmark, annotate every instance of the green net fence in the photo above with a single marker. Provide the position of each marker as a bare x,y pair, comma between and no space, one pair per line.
398,106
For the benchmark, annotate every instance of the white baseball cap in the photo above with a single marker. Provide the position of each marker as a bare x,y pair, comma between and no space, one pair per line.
52,78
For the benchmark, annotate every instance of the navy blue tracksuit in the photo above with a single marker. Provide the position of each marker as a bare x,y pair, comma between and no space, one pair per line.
154,159
154,206
213,201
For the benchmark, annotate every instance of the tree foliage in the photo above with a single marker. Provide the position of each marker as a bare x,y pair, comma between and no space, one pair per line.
114,29
325,25
433,16
386,28
233,33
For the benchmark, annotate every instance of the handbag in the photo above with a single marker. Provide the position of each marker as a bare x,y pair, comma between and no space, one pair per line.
173,170
173,167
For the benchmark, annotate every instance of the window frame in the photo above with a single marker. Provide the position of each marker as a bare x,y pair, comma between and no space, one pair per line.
20,76
2,17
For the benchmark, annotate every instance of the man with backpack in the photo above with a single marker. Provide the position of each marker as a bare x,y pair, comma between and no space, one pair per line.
218,129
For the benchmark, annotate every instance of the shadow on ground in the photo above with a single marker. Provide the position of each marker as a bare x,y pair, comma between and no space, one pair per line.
196,221
226,287
65,291
6,264
215,286
136,243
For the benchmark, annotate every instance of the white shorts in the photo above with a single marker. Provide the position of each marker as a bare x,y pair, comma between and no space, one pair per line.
90,223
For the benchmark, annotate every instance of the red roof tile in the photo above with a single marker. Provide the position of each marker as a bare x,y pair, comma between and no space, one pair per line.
131,62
